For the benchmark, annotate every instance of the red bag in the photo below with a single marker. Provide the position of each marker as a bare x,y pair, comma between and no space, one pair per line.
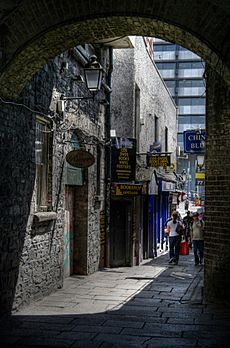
184,248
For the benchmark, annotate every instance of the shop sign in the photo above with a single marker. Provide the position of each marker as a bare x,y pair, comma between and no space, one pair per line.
158,160
194,141
200,175
80,158
200,179
123,159
200,182
129,190
168,186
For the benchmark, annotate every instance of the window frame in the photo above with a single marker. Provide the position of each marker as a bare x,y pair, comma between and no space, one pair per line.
43,201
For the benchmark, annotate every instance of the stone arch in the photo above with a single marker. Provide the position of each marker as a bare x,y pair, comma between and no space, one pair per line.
36,31
47,30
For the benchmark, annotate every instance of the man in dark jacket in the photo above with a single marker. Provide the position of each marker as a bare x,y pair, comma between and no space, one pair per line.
187,220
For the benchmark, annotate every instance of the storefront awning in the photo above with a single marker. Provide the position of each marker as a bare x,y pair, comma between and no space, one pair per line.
146,174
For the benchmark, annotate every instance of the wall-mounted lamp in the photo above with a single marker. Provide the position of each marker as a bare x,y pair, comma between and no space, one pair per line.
93,77
93,74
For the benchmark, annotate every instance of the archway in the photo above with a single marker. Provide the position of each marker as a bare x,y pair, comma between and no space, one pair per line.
35,32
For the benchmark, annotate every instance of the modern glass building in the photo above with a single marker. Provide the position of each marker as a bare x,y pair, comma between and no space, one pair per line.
183,73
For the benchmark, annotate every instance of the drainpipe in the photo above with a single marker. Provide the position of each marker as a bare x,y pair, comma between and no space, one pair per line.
108,161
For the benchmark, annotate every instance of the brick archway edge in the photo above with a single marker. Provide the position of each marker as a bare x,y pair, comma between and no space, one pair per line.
36,32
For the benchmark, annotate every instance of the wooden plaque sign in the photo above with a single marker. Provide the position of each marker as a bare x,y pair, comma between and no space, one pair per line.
80,158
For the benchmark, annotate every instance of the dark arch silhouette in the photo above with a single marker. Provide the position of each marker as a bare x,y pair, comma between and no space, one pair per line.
35,32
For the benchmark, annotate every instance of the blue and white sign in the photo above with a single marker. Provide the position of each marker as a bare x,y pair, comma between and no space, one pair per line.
194,141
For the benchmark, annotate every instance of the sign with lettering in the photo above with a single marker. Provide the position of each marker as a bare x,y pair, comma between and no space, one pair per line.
123,159
200,182
80,158
194,141
120,189
158,160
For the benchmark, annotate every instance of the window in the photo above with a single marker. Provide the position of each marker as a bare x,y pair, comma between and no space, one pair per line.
166,139
191,106
164,52
185,54
191,69
167,70
98,170
190,122
42,164
171,85
156,129
137,116
191,88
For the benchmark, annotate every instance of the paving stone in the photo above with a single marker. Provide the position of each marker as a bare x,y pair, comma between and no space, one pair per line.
44,342
138,321
124,323
171,343
93,328
156,332
120,339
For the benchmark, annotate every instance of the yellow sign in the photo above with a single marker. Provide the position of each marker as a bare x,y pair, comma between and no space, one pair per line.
200,175
158,160
127,189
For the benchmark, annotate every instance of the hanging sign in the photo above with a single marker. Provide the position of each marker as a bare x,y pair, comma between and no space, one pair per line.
194,141
120,189
123,159
200,179
158,160
80,158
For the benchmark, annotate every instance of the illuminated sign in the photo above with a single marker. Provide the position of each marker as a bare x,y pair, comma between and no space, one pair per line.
158,160
127,189
194,141
123,159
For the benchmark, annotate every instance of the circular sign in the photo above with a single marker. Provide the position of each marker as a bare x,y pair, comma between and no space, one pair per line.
80,158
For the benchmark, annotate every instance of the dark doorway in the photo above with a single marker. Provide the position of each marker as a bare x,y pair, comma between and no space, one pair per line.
120,233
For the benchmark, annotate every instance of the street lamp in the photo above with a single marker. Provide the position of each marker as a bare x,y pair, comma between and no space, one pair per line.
93,74
200,162
93,77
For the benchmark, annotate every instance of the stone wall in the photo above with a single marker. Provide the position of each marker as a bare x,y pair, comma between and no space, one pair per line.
133,68
31,263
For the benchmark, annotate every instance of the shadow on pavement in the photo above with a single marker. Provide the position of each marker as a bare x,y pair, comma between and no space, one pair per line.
164,313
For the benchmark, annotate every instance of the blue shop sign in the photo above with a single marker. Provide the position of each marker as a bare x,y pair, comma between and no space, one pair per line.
194,141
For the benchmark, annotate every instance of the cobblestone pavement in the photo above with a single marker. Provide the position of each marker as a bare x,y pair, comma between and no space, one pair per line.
152,305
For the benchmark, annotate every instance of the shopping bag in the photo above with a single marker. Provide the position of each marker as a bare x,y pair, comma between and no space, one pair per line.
184,248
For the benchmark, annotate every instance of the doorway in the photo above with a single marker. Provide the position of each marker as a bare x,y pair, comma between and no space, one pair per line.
120,233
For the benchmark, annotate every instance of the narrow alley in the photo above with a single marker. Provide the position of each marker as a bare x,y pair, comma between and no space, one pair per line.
152,305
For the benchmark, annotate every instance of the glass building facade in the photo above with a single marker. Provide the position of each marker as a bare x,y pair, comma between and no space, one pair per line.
183,73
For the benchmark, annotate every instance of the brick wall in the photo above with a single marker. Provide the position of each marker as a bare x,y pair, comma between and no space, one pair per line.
217,237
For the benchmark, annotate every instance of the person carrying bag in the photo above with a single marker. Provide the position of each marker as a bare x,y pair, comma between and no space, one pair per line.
174,230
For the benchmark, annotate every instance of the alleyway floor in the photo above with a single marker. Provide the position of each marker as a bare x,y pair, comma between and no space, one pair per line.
152,305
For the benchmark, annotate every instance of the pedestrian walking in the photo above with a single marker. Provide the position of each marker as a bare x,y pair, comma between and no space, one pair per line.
197,238
187,221
174,228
